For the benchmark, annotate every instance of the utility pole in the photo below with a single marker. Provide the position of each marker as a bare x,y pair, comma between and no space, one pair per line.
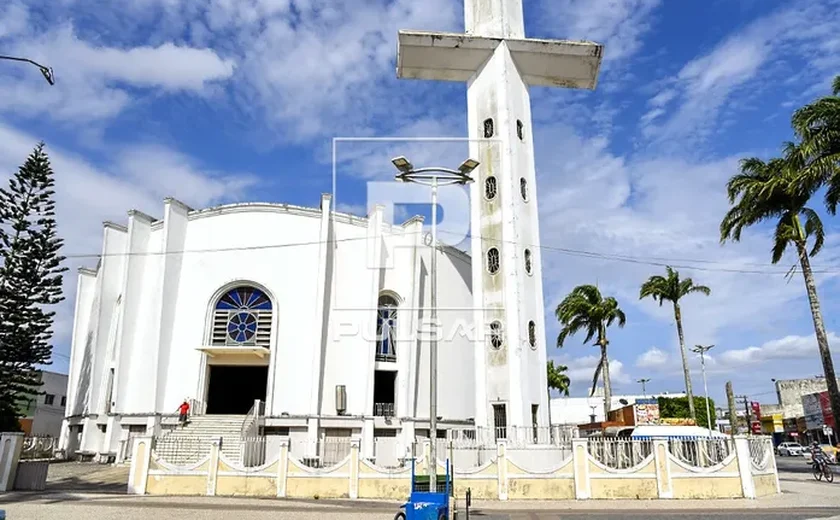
643,382
746,401
733,417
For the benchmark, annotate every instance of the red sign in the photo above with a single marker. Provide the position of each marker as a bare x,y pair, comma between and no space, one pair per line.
756,408
825,404
756,427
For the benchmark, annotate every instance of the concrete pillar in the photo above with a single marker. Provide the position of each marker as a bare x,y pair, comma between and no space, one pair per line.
355,445
282,467
11,444
580,463
313,430
662,465
213,469
501,468
407,439
141,457
367,437
742,453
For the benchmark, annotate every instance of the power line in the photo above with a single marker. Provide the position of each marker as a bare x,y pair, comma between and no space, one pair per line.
651,261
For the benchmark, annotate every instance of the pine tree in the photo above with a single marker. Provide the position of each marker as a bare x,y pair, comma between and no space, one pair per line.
30,282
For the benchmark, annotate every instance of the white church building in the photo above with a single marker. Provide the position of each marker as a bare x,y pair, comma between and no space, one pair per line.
316,313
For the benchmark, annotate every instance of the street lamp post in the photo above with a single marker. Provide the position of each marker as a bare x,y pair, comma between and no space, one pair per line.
700,349
643,382
46,71
434,177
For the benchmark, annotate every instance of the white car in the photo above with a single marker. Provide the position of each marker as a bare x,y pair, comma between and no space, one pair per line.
790,449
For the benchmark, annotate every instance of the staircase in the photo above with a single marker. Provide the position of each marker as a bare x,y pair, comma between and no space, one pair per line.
191,443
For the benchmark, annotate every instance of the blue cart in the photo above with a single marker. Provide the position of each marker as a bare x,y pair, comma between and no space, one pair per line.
424,505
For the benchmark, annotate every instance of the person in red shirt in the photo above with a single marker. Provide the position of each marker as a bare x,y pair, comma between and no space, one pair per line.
183,412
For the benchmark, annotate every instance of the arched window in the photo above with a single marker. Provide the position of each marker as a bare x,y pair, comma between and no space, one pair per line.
532,334
496,335
523,188
528,261
519,130
490,188
242,317
493,260
386,328
488,128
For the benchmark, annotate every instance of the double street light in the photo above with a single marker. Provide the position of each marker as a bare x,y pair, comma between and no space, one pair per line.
700,349
434,177
46,71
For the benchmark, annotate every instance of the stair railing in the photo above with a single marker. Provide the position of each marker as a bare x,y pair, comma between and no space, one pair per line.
252,443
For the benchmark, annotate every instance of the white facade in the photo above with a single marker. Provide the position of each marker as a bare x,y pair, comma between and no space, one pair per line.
143,339
46,410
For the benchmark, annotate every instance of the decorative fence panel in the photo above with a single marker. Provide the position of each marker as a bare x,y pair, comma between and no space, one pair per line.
585,469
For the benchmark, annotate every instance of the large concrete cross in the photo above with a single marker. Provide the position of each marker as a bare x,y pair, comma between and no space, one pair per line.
498,63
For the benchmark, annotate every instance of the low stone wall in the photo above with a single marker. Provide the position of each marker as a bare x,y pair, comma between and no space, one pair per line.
506,476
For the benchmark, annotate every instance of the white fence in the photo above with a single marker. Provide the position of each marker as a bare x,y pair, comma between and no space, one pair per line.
620,453
323,453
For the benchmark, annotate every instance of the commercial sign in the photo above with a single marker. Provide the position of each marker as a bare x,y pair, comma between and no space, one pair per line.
812,411
677,421
825,405
647,411
756,409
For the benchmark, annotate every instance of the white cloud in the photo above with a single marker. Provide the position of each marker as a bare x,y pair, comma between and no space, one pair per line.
91,80
618,24
580,372
13,19
789,347
653,359
751,60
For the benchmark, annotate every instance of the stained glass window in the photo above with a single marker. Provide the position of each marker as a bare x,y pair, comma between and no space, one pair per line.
242,317
386,329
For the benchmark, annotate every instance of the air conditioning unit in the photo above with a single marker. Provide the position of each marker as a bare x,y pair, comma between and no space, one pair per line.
340,399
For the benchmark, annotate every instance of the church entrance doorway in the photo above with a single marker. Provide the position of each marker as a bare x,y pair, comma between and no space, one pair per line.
232,389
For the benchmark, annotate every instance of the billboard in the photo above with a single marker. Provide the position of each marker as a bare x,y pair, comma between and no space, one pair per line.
825,405
813,411
647,411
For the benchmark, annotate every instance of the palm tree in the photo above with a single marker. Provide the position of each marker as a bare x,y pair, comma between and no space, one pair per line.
818,125
671,288
776,191
585,309
558,380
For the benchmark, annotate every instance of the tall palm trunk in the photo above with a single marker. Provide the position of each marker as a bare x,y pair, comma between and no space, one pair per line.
686,373
605,370
819,327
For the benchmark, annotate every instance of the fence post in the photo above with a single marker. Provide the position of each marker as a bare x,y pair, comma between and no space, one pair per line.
501,469
11,444
141,457
769,447
662,465
742,453
580,462
282,467
213,468
355,445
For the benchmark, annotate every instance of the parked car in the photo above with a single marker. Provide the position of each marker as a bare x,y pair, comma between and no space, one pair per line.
790,449
829,450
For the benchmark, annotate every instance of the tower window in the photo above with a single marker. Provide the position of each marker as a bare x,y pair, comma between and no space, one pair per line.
532,334
523,188
528,261
242,317
493,260
519,130
488,127
386,328
496,335
490,188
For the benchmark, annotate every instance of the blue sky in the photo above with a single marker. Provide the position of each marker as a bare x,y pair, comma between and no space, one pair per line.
222,100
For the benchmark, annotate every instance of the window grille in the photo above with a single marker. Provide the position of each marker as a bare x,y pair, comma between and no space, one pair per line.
496,335
488,127
490,188
493,260
242,317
